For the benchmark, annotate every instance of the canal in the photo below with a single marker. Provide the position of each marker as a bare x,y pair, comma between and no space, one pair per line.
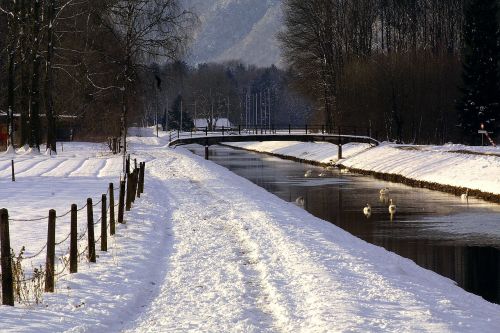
455,238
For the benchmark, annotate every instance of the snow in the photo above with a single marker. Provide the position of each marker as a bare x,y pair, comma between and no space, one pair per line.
204,250
202,123
322,152
243,30
475,168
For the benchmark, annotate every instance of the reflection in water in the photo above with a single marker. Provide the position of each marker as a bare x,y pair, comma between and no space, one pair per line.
457,239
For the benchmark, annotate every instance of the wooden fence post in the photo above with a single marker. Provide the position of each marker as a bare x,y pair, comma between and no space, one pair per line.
13,173
121,201
127,164
51,250
132,192
90,230
139,171
73,247
111,209
104,224
7,280
141,179
134,184
128,203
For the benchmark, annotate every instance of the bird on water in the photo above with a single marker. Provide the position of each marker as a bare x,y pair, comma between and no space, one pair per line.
384,191
392,207
367,210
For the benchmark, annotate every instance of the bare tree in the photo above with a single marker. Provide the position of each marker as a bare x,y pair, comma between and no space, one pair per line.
147,30
314,47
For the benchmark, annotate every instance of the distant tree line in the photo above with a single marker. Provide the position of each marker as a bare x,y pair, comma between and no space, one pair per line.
396,66
247,96
69,59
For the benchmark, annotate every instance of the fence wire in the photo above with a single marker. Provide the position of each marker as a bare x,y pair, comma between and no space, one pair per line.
39,274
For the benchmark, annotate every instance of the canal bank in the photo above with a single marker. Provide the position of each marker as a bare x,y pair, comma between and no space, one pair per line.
453,169
454,238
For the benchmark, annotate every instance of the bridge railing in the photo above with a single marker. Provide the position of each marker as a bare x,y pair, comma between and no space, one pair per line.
256,130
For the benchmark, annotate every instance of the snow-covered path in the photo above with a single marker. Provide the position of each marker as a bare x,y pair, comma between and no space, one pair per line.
207,251
243,260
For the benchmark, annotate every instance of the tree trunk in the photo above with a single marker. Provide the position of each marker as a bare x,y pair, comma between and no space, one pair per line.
49,105
35,83
11,81
11,85
24,98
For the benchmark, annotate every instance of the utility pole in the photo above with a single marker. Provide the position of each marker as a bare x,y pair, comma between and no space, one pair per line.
241,112
166,116
261,111
156,109
195,117
256,112
227,112
212,117
269,106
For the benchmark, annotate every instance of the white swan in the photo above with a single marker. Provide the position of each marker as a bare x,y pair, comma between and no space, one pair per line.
384,191
300,201
392,207
308,173
465,196
367,210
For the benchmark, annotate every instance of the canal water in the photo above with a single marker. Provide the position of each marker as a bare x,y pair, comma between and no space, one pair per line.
438,231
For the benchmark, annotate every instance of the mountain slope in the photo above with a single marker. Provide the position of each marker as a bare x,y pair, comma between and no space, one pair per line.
237,29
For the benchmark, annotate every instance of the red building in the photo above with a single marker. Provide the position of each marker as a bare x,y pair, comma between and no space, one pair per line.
65,128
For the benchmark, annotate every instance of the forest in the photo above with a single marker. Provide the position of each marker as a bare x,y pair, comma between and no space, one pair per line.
248,96
407,69
82,62
411,71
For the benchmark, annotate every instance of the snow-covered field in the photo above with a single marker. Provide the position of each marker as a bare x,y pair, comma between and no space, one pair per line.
476,168
204,250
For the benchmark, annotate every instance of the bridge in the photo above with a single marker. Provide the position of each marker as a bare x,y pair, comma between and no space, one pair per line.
213,138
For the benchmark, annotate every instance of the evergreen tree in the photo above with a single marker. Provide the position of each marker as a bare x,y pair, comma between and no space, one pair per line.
175,116
480,90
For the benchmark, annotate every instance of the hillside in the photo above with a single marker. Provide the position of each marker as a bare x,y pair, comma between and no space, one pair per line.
237,29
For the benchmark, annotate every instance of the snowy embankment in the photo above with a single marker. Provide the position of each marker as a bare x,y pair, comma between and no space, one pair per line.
475,168
205,250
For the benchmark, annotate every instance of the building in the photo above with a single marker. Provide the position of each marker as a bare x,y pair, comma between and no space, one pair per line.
65,128
202,123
